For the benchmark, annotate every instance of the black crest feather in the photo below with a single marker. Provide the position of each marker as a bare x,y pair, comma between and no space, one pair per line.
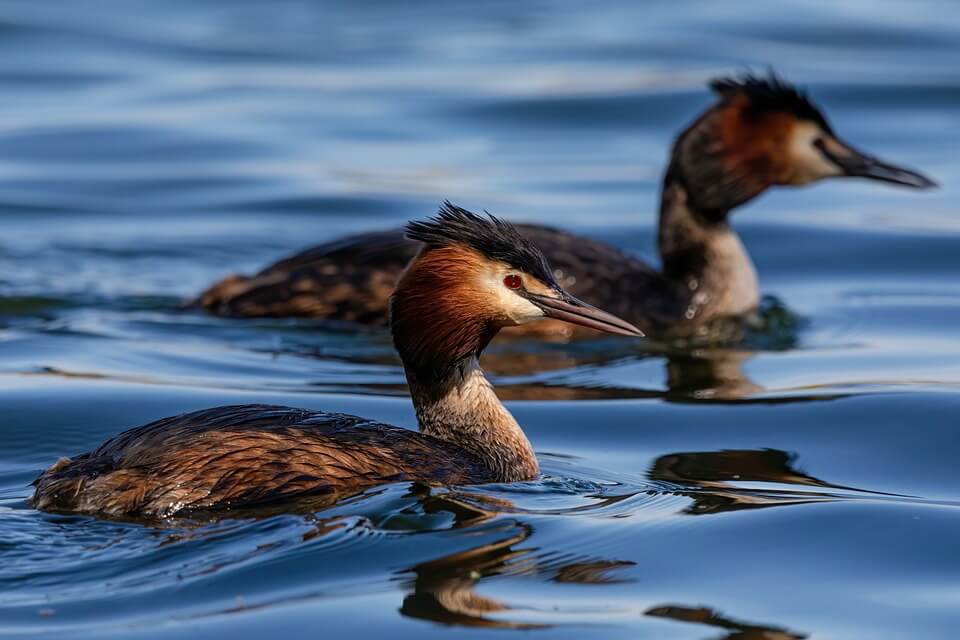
495,238
771,93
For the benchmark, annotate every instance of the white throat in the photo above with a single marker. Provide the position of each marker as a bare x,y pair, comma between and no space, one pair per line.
467,413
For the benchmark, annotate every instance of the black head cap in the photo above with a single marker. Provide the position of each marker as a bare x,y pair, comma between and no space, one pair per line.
771,94
494,238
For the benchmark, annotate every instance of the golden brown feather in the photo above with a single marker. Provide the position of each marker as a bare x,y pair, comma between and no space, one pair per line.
244,455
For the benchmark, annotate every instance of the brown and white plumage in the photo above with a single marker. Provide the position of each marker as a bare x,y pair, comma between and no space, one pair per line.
760,133
243,456
473,276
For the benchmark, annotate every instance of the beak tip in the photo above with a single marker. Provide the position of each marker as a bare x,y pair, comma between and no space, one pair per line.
630,330
916,180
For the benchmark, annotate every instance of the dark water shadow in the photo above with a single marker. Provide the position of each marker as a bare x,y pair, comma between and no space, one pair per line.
709,477
443,590
734,629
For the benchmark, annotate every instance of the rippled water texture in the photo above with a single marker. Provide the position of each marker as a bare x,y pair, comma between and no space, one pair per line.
804,484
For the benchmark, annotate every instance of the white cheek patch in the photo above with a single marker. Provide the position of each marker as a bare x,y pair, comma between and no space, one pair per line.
808,163
517,309
524,311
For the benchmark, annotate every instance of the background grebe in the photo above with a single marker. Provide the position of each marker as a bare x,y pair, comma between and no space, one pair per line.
762,132
473,276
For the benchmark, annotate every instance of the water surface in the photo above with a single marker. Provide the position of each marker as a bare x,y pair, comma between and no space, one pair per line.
802,484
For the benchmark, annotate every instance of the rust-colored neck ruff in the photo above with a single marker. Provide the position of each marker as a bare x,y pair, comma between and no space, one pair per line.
441,322
730,155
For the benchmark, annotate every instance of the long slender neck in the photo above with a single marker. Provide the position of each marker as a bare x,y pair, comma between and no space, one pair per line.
441,323
462,408
700,251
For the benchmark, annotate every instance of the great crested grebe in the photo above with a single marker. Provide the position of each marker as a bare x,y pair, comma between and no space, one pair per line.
472,276
761,132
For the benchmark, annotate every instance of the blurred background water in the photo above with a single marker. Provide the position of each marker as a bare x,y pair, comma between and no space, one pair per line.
803,485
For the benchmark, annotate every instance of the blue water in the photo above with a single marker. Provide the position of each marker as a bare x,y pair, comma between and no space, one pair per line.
804,483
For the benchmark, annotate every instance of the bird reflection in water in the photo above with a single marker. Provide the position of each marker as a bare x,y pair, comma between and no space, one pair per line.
711,369
528,371
443,590
736,630
708,478
691,376
714,374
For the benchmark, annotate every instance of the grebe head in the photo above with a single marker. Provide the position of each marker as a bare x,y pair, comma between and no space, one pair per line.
474,275
764,132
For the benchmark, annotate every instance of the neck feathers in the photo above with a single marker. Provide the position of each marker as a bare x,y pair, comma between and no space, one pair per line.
725,158
705,257
440,326
465,411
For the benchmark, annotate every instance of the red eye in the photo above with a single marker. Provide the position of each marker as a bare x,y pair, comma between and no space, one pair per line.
512,281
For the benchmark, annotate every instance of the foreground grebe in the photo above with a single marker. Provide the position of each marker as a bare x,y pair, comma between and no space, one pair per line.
761,133
473,276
